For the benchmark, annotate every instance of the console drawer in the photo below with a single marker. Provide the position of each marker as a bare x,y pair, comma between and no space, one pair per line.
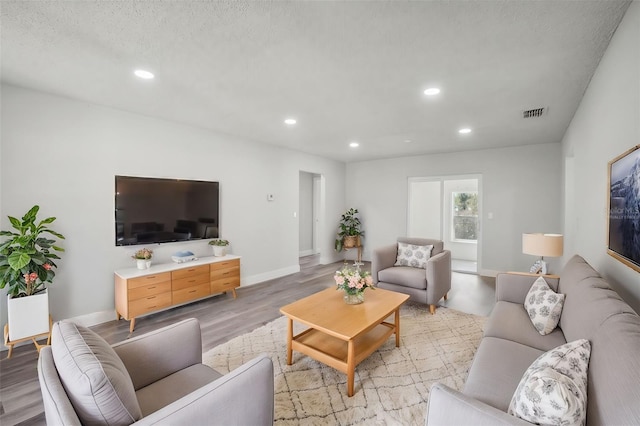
191,293
189,272
190,281
224,284
149,290
149,279
149,304
222,273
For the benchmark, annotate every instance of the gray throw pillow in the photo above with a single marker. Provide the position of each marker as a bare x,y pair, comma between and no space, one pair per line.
413,255
94,377
553,390
544,306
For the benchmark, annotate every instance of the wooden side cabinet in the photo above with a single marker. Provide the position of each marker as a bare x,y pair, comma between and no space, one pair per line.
140,292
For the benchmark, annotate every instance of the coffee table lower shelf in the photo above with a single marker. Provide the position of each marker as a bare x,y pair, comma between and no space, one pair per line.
343,355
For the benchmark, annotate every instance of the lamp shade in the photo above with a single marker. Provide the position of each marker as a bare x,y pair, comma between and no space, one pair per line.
542,244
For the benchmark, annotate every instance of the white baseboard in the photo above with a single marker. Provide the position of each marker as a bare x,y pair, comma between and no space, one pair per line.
258,278
489,273
306,253
94,318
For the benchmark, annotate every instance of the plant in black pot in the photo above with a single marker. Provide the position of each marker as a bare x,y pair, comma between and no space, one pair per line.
349,230
27,264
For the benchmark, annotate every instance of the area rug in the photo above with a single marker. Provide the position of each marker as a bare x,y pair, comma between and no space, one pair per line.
391,386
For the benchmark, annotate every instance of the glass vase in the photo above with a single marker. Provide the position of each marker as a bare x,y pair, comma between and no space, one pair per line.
354,299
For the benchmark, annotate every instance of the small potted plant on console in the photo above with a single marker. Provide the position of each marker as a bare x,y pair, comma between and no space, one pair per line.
143,258
219,246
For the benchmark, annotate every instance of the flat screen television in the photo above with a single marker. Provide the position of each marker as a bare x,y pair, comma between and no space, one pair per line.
155,210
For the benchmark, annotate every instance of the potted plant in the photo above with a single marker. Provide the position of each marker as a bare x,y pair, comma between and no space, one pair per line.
219,247
26,266
349,230
143,258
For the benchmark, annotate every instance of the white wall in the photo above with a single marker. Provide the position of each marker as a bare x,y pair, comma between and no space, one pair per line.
606,124
520,186
63,154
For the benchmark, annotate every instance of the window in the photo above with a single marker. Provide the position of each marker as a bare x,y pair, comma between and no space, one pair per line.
464,223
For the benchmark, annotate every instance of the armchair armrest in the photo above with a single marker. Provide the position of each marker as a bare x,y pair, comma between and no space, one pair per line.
383,258
450,407
245,396
514,286
157,354
438,276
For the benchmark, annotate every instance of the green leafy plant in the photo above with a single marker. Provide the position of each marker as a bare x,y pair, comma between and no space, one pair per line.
219,242
26,256
143,254
349,226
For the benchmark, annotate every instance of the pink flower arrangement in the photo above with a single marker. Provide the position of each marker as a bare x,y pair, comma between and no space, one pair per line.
353,281
143,254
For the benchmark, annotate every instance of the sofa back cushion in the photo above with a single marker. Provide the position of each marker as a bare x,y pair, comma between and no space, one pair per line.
438,245
589,300
93,376
614,372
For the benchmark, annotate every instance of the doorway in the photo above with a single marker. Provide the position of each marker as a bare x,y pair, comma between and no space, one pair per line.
309,218
448,208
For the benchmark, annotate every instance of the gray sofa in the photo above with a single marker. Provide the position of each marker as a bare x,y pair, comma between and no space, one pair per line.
423,285
592,310
155,378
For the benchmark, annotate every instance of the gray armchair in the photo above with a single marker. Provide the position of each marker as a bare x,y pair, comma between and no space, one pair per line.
427,285
156,378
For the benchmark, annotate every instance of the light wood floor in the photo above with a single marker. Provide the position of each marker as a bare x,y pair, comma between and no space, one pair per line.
221,319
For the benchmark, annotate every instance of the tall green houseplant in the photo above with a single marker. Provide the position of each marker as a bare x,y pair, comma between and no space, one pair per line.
27,255
349,226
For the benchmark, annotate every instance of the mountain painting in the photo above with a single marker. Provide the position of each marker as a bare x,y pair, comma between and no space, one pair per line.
624,207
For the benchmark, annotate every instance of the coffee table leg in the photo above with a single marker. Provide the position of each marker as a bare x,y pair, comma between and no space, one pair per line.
351,367
289,342
397,324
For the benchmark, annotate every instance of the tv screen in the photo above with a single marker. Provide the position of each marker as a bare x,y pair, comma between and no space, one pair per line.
154,210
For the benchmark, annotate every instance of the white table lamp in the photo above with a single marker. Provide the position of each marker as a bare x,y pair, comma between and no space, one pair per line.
550,245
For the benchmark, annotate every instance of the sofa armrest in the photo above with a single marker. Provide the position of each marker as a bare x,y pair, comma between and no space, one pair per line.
438,276
245,396
383,258
157,354
514,286
450,407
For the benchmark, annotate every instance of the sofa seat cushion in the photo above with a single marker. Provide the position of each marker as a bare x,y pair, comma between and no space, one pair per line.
404,275
496,371
94,377
510,321
173,387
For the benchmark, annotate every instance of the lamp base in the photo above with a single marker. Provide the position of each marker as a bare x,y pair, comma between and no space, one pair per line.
539,267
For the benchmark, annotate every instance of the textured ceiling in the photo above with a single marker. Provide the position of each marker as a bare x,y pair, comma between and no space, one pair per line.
346,70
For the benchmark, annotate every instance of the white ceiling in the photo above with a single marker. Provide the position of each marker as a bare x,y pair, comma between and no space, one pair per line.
345,70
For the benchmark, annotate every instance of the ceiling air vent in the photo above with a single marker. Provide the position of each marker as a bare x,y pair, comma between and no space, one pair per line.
531,113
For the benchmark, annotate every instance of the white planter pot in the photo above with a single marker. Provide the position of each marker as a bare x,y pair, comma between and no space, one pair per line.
219,250
28,316
143,263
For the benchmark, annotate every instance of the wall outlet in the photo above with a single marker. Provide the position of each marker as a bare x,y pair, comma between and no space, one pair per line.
270,197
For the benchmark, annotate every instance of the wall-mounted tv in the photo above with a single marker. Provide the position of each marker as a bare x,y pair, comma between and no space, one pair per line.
624,208
155,210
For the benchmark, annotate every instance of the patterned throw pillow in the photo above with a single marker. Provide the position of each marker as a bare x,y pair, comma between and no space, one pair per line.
544,306
413,255
553,390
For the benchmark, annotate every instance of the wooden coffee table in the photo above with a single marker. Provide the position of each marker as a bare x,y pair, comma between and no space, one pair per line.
340,335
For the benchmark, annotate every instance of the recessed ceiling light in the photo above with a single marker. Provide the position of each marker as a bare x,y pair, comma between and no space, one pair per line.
290,121
147,75
354,144
464,131
407,141
432,91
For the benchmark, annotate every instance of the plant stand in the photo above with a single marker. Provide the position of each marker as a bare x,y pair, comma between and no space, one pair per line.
358,246
10,343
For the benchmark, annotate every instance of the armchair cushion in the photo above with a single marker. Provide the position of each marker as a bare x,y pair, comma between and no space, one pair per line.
404,275
93,376
413,255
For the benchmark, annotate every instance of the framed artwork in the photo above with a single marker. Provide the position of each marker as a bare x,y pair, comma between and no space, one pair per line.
624,208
